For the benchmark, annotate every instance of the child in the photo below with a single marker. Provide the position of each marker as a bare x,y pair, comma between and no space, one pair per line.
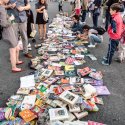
121,47
114,32
60,5
77,25
89,34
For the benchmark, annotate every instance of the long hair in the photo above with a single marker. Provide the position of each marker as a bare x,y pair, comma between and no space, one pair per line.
44,2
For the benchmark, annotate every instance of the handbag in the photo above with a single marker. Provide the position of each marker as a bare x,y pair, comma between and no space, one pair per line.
45,15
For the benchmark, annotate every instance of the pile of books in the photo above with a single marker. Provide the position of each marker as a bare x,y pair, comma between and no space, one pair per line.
63,89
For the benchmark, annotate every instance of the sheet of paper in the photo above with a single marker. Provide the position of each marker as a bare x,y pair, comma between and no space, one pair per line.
27,81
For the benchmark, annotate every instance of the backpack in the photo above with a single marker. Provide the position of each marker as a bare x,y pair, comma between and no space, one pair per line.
100,30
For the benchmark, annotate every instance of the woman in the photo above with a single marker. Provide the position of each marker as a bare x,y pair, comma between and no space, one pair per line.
40,6
9,36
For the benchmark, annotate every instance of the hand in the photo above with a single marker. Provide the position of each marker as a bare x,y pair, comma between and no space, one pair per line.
78,35
21,8
42,8
13,5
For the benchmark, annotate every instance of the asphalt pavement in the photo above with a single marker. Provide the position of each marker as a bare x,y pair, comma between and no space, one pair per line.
113,110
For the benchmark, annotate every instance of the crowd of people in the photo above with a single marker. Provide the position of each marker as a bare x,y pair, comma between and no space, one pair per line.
16,19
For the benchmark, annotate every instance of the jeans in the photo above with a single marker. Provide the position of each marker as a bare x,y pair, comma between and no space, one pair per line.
84,12
113,44
94,39
95,20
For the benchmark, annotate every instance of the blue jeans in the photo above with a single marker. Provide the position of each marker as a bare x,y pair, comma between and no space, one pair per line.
95,20
84,12
113,44
94,39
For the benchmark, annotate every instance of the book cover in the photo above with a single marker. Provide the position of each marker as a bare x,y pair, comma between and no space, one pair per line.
102,90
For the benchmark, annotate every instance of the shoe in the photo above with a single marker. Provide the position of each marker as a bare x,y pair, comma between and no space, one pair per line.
33,40
30,49
28,55
37,46
19,63
105,63
16,71
118,60
91,46
104,58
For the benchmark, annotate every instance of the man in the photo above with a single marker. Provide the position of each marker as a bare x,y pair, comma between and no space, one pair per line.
18,9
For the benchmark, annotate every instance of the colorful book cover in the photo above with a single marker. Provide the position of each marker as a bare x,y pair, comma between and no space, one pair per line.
102,90
27,115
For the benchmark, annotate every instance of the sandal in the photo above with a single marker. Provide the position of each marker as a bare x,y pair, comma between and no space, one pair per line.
16,71
19,62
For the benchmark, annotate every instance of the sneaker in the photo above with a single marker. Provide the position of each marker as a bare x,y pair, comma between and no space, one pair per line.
91,46
29,48
37,46
28,55
118,60
105,63
104,58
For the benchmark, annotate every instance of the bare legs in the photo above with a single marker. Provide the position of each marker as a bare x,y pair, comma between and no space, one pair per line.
14,58
42,31
17,55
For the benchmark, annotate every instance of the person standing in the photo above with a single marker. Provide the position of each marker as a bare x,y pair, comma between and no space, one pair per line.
19,11
114,32
30,24
40,6
104,7
60,5
8,35
121,47
96,12
77,7
84,9
108,16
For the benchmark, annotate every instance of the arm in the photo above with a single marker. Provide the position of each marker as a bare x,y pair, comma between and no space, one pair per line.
113,26
40,10
10,5
23,8
82,36
3,19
